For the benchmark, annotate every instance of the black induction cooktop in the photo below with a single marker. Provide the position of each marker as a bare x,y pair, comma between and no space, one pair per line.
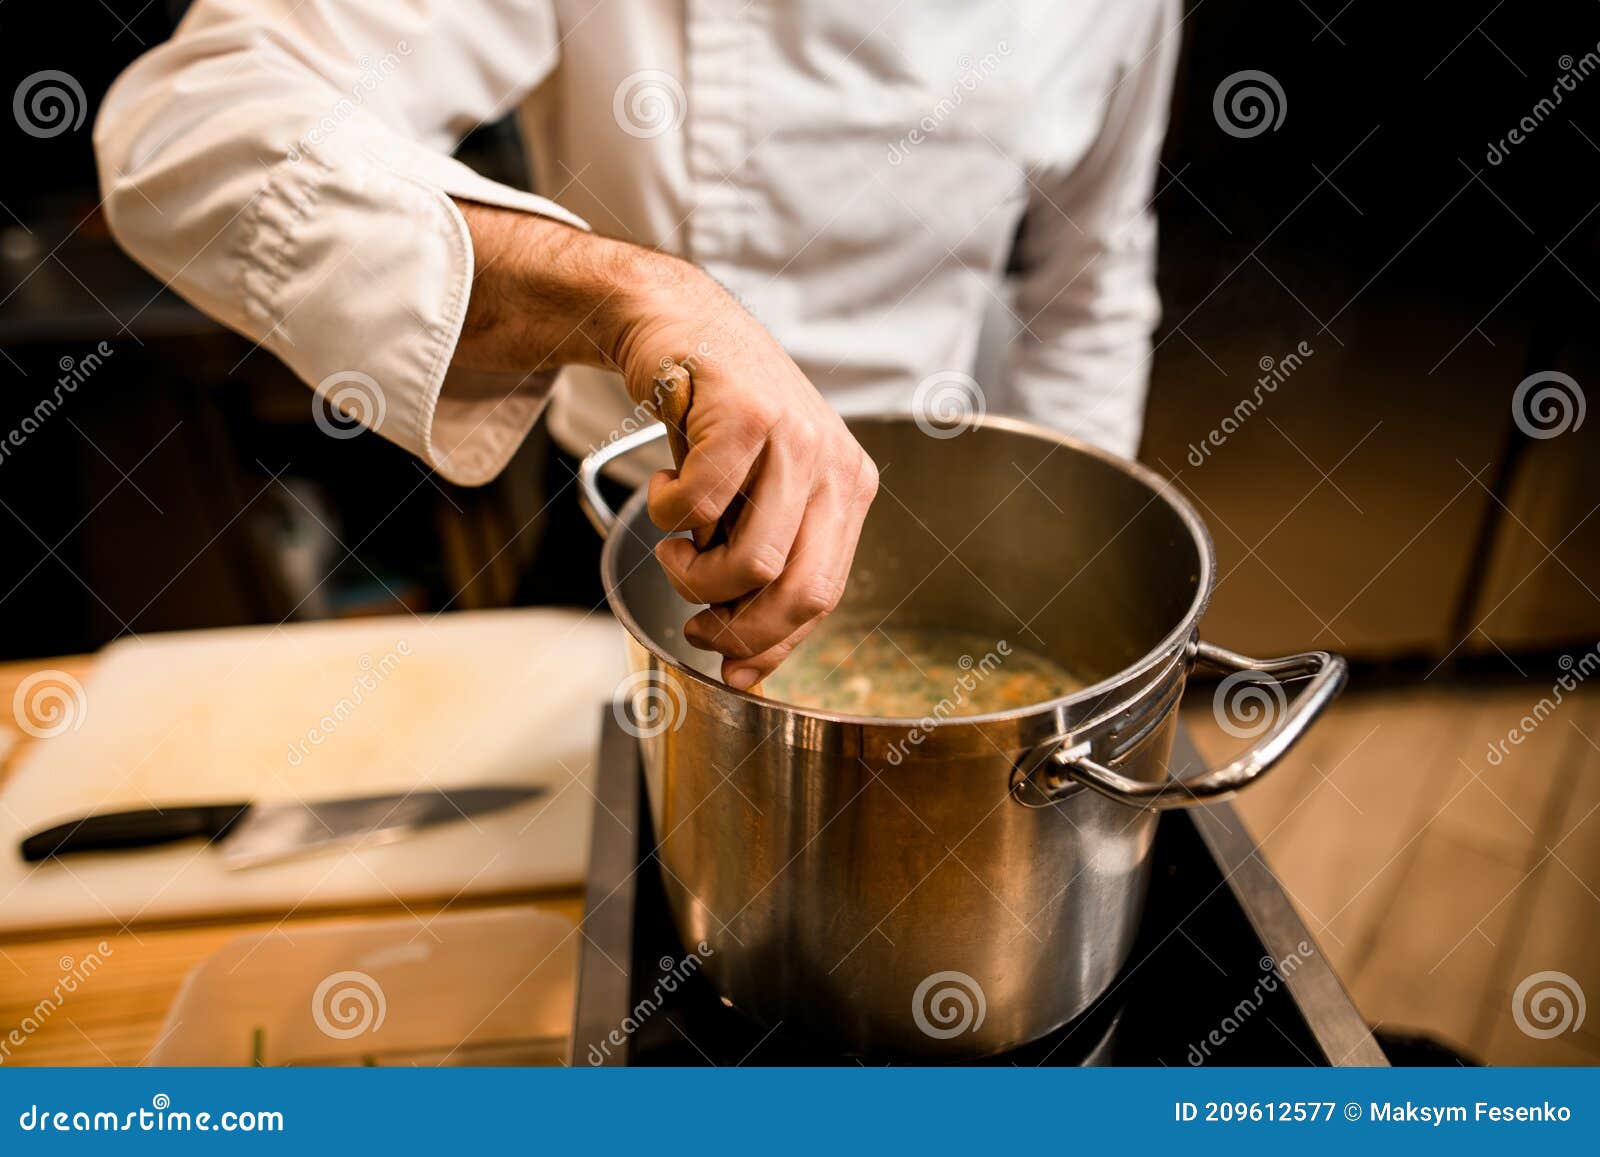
1224,971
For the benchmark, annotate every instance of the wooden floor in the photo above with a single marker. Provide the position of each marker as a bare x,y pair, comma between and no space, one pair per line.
1436,880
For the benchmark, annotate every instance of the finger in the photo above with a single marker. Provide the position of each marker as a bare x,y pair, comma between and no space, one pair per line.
809,588
742,674
658,480
713,472
844,536
762,538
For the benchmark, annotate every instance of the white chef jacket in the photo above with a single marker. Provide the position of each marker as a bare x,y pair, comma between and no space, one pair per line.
863,177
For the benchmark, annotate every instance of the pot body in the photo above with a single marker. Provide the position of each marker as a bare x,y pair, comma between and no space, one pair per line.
915,909
931,888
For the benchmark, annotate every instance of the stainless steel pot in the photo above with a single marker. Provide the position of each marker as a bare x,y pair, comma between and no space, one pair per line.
946,887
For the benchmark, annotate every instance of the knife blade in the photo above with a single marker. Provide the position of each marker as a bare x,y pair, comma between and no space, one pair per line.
249,834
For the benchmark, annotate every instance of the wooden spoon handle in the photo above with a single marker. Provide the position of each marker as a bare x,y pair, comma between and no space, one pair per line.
672,399
674,395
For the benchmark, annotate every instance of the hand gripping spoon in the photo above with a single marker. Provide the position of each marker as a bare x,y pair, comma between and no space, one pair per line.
673,396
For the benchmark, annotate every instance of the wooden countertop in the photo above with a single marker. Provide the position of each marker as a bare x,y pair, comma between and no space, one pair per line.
116,1019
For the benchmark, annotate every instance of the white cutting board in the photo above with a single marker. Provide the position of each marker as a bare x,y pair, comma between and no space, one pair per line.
396,703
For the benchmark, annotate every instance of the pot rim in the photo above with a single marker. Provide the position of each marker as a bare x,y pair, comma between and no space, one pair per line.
1175,639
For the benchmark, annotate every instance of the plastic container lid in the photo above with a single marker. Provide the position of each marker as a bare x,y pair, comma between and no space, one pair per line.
488,987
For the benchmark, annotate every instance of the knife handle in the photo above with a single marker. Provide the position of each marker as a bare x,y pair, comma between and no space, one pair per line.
133,829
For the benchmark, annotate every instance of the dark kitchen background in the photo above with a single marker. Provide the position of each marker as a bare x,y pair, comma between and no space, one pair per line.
1383,500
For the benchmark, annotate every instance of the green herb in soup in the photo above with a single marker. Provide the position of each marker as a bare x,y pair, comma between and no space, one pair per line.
858,668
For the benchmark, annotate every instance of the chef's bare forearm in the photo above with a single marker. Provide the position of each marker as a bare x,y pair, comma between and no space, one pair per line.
545,295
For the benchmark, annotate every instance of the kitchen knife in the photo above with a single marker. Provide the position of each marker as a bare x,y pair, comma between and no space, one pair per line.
248,834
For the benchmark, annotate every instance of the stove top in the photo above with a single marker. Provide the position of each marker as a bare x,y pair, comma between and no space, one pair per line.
1224,972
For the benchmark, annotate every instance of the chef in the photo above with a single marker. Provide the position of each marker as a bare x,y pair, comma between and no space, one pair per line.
817,202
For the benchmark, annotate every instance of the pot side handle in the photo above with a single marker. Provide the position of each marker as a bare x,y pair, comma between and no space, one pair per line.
594,503
1255,688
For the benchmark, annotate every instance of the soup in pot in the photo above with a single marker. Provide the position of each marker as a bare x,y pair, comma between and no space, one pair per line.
855,667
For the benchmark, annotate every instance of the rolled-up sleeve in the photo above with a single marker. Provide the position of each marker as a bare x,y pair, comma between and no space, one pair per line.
285,166
1086,254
